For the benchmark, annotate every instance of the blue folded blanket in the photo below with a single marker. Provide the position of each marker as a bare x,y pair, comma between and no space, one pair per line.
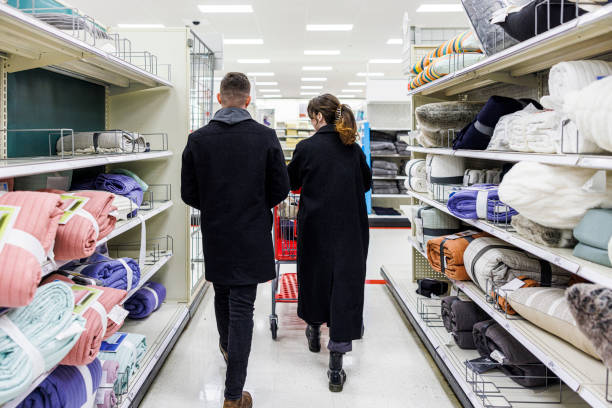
480,201
122,185
66,387
146,300
111,272
593,233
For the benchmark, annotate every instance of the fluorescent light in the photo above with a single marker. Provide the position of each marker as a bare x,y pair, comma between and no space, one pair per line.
395,41
272,96
314,79
440,8
385,61
370,74
141,26
269,90
243,41
348,91
260,74
356,84
315,68
346,96
254,61
321,52
222,8
258,83
329,27
309,93
312,86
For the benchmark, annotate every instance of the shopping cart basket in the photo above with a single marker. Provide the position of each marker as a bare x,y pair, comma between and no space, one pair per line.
284,287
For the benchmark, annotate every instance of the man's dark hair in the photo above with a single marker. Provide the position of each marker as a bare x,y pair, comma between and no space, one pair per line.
235,88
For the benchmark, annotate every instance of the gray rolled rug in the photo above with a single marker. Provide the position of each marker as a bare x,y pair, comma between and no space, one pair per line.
550,237
435,120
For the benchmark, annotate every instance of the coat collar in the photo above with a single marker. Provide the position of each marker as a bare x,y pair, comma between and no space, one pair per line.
231,116
327,129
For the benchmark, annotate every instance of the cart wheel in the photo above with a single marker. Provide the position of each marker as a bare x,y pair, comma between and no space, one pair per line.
274,328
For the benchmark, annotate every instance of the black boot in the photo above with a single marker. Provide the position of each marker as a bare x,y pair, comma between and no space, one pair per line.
336,374
313,334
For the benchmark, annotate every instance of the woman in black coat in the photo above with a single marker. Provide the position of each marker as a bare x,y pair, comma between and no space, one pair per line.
333,231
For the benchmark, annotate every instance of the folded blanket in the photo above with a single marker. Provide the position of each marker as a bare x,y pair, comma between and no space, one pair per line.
376,146
493,176
548,309
517,362
112,141
445,254
591,306
435,120
480,201
127,349
87,218
464,315
146,300
491,263
66,387
593,254
429,223
383,172
431,287
105,397
31,221
550,237
445,312
570,76
122,273
34,338
122,185
126,208
528,130
415,168
445,169
401,147
144,186
595,229
98,326
552,196
384,183
386,165
471,177
590,108
385,190
378,136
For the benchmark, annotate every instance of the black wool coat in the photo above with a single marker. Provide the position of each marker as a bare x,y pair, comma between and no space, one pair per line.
333,232
234,172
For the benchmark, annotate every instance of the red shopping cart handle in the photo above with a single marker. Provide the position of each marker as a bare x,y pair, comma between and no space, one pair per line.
298,191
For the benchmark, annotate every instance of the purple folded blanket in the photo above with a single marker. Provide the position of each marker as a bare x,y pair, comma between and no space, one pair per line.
480,201
65,387
122,185
111,272
146,300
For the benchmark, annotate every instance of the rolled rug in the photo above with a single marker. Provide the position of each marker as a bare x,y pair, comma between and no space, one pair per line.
550,237
122,185
97,327
446,304
87,218
34,338
67,387
480,201
127,349
416,168
112,141
122,273
445,254
32,220
429,223
445,169
553,196
416,184
435,120
591,307
146,300
570,76
477,135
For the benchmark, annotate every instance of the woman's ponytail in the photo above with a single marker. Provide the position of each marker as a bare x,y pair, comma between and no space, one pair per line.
346,125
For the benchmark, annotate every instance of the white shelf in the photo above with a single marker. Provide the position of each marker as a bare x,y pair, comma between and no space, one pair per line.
27,166
561,257
389,156
120,228
584,37
390,195
395,217
399,280
147,272
32,43
389,177
575,160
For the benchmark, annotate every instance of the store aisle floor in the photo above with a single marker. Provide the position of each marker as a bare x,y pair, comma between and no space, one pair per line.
387,369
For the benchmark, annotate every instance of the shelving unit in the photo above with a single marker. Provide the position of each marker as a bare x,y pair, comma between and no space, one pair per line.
519,71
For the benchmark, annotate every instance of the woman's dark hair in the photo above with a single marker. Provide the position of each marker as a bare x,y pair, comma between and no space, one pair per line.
337,114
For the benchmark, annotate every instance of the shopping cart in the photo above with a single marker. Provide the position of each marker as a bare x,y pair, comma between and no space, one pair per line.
285,286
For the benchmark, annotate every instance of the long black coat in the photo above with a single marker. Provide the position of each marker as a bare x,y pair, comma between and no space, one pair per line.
234,172
333,232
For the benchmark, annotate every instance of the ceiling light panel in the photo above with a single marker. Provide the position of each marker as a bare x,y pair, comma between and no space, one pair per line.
385,61
141,25
269,90
329,27
254,61
356,84
260,74
226,8
309,93
346,96
314,79
312,86
321,52
272,96
395,41
273,83
317,68
243,41
370,74
349,91
440,8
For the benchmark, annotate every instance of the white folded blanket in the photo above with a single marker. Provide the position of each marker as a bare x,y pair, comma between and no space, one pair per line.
553,196
571,76
124,205
493,176
417,184
471,177
416,168
591,111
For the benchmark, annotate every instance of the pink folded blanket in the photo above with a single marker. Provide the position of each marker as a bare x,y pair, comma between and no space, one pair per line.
28,224
87,218
98,326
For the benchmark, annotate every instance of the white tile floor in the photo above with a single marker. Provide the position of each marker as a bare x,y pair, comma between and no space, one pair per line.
387,369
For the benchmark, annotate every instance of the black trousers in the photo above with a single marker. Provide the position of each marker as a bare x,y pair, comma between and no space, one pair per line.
234,306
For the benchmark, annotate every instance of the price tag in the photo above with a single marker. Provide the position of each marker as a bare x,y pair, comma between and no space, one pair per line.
118,314
511,286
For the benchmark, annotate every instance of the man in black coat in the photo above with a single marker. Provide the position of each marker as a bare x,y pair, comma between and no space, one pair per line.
234,172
